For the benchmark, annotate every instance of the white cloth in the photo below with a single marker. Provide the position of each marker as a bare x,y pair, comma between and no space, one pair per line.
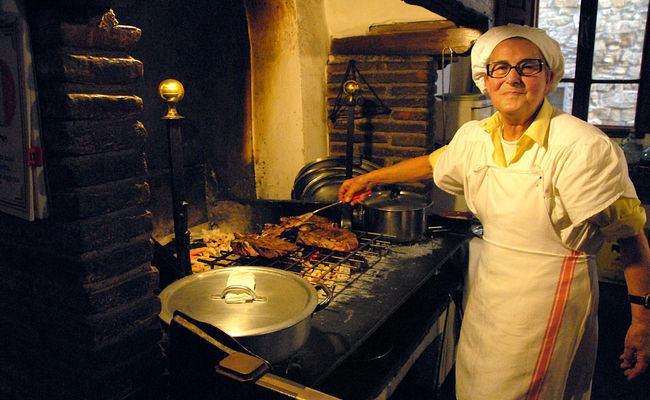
240,278
529,328
485,44
509,148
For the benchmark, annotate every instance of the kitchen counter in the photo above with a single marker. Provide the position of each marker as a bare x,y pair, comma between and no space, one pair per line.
366,337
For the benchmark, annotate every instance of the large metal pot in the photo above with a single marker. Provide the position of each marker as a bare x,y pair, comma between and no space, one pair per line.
272,318
398,214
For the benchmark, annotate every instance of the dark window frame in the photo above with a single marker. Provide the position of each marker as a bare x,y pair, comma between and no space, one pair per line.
583,75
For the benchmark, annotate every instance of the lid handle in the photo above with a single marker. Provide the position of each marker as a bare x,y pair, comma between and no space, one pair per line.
245,295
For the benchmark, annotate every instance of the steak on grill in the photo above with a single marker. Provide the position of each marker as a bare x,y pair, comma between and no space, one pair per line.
254,245
288,223
327,237
317,231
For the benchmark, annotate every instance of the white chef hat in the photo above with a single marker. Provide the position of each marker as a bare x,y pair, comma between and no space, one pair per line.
486,43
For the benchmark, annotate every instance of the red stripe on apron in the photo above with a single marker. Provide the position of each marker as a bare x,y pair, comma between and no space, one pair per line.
553,325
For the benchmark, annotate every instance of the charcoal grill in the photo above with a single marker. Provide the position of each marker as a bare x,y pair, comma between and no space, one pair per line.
307,261
335,269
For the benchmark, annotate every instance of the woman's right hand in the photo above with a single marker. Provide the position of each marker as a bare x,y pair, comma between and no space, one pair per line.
411,170
355,190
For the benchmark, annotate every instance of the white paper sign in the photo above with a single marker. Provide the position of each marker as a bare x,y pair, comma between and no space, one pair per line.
22,182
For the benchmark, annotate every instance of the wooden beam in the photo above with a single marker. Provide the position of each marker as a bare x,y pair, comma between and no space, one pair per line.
460,40
457,11
417,26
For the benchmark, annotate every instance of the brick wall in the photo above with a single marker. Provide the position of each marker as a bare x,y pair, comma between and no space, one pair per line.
406,85
79,316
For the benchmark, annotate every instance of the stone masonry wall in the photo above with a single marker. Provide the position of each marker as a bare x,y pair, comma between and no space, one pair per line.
79,316
618,49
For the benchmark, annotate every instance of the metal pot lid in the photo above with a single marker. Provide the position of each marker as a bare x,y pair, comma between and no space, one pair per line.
323,168
396,201
326,162
225,299
305,182
326,191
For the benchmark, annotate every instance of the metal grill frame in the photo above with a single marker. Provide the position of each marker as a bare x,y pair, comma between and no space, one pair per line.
304,261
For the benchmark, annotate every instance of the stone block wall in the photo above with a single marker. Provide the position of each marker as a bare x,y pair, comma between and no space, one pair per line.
79,316
617,54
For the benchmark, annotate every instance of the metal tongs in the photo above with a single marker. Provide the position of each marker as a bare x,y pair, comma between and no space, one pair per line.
306,216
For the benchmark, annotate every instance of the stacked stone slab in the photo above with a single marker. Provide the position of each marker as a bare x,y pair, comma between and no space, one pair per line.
79,312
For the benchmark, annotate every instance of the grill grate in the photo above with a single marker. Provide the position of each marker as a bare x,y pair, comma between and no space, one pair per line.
335,269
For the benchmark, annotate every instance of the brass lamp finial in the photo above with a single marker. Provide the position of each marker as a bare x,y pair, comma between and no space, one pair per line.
172,92
350,88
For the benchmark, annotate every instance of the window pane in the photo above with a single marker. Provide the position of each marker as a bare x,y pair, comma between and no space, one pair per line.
560,19
562,97
620,29
612,104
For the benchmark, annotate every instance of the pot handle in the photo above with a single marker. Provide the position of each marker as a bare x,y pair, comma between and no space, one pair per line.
328,296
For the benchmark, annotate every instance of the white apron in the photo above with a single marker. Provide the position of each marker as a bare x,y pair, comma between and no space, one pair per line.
529,329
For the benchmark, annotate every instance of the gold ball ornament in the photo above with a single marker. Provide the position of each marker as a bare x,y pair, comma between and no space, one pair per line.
172,92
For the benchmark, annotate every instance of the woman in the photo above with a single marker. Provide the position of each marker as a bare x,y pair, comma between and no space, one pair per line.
549,189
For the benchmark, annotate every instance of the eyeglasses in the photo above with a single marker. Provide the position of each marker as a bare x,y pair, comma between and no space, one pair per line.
526,67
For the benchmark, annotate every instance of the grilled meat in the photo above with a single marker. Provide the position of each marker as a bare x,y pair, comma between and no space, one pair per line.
254,245
288,223
317,231
327,237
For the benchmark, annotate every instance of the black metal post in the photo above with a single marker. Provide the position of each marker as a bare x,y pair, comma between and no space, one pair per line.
349,145
172,92
181,231
351,89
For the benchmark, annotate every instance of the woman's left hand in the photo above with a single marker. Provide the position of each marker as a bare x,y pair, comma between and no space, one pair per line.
635,252
636,355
